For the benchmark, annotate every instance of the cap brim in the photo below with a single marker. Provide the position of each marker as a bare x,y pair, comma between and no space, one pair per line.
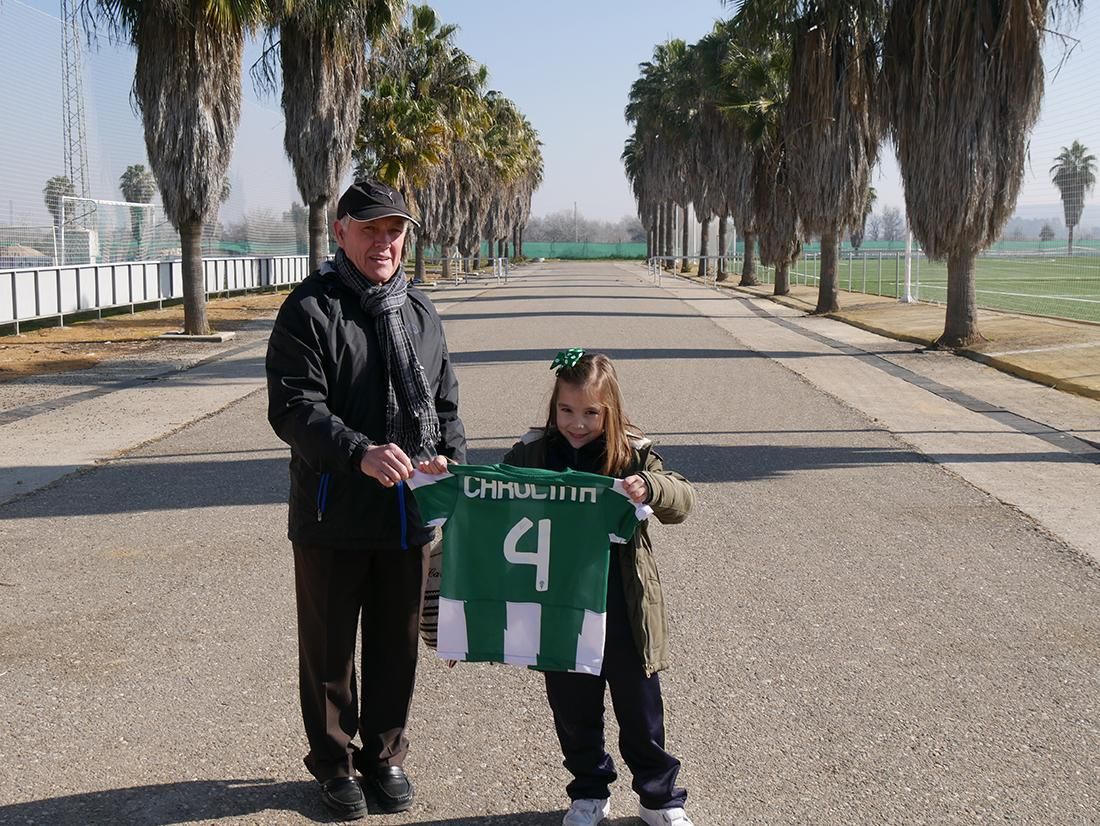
374,213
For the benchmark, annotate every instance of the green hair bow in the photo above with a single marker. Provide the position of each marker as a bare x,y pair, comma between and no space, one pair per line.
567,358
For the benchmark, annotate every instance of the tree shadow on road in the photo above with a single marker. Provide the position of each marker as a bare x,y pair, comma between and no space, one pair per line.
743,463
168,803
213,800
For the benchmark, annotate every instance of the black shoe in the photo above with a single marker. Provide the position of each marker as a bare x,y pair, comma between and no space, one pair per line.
344,798
393,791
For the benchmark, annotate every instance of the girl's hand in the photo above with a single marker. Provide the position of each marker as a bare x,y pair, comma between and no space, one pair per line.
636,489
434,466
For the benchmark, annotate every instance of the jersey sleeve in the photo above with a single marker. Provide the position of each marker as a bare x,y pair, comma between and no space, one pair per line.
623,514
435,495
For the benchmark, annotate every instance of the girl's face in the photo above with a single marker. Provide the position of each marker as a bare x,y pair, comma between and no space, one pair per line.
579,415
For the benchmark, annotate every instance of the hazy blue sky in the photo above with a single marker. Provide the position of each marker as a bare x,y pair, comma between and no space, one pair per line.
568,65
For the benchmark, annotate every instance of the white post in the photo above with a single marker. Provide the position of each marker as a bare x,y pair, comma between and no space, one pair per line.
908,297
732,251
62,262
695,229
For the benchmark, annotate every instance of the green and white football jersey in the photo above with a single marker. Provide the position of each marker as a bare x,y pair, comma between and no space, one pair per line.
525,555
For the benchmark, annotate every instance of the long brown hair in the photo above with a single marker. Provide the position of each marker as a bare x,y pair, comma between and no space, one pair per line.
595,373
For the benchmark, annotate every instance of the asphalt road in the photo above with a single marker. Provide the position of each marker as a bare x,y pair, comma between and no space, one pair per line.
862,632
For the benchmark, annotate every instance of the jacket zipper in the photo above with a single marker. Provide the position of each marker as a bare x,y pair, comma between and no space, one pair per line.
322,494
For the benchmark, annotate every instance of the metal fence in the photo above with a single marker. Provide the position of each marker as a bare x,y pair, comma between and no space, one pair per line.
463,269
1033,282
55,292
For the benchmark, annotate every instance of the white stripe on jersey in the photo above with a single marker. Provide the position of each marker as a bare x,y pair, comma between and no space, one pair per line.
590,643
453,644
521,633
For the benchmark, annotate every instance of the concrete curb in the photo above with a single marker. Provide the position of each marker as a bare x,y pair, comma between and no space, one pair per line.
1067,385
214,338
996,362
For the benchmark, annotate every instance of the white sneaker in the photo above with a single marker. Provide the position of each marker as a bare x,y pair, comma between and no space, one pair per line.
587,812
664,817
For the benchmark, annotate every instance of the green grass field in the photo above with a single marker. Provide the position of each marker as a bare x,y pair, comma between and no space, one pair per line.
1060,286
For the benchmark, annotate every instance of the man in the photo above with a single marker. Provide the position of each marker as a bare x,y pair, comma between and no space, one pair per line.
361,387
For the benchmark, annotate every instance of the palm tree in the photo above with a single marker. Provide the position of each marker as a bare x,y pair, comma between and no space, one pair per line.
55,189
831,132
725,158
858,230
659,139
1074,173
963,80
424,97
518,212
512,152
633,166
757,67
138,186
322,50
187,85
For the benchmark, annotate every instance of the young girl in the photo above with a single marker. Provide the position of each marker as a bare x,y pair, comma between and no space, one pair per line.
587,430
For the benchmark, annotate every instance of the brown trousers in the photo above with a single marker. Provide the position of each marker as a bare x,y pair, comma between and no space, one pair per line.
338,592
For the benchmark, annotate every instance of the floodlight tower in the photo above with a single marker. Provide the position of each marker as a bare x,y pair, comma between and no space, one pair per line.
72,99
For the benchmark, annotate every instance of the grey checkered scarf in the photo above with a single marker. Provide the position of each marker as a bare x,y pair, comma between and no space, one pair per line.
411,420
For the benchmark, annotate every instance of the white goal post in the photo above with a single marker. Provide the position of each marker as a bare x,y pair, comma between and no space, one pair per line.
98,231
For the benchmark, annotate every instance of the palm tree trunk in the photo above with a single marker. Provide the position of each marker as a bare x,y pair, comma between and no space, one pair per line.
723,248
960,327
521,253
194,286
704,243
685,264
826,289
1069,243
418,270
318,233
782,282
748,268
445,253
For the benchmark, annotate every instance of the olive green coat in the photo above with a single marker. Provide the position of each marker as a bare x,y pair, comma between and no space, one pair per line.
672,498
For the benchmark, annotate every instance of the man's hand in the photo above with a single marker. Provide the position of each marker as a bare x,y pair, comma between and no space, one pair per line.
636,488
434,466
386,463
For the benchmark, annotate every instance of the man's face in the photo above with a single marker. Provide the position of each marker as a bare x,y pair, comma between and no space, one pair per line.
374,247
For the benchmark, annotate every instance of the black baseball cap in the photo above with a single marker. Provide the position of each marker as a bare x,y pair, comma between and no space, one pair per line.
370,200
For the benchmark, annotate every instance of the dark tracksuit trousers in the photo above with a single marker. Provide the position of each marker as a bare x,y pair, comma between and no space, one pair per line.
339,593
577,701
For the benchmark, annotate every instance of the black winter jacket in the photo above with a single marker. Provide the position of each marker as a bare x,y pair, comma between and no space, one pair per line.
327,400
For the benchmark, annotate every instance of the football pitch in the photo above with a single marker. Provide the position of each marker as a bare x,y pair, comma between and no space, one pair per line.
1060,286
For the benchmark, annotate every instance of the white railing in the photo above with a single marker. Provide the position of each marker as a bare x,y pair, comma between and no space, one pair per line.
38,293
462,269
657,263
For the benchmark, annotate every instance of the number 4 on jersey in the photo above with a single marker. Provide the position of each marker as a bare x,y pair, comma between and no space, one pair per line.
539,558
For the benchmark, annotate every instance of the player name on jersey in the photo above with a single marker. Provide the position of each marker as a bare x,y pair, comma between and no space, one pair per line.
525,555
475,488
